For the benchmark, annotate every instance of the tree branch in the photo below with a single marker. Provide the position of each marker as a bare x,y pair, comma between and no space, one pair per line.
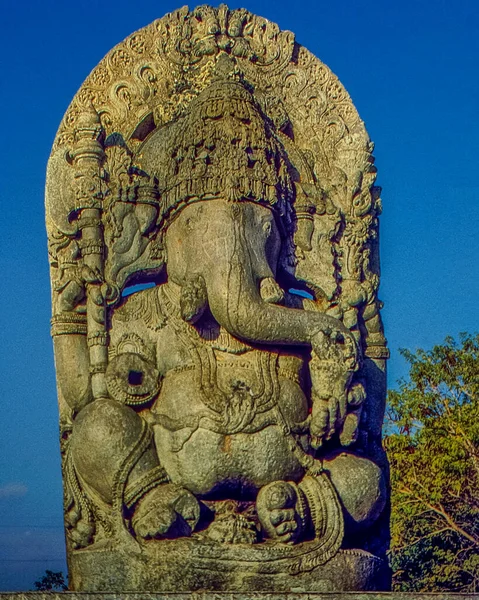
424,537
439,510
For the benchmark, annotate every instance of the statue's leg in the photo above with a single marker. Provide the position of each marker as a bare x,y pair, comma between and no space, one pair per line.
361,487
114,455
104,435
351,489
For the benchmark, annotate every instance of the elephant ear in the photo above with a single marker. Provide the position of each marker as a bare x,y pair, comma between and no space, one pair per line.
130,214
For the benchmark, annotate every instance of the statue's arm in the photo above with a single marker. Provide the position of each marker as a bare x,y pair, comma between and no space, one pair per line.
72,359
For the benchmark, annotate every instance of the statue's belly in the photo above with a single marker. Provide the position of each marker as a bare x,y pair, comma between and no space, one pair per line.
206,448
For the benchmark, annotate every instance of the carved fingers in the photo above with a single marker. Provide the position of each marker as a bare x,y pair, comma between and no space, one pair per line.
350,428
327,417
339,414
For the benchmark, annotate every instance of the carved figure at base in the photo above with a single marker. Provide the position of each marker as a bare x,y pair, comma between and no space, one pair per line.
233,405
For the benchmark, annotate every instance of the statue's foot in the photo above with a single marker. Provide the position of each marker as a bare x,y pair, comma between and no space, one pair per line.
167,511
280,509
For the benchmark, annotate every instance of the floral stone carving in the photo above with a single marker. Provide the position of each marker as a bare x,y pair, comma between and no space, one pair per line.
221,428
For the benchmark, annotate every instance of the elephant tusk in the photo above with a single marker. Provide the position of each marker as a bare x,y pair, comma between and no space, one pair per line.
270,291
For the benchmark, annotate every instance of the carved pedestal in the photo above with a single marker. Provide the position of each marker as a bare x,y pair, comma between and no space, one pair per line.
189,565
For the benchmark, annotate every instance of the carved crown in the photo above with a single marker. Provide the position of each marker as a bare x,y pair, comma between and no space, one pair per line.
222,146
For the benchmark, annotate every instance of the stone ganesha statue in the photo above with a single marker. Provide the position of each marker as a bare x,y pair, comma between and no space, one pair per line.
234,403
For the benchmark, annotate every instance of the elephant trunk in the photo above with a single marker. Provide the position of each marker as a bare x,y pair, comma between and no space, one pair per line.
244,314
236,301
224,255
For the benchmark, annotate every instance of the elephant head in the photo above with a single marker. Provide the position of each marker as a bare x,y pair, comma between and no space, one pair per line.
227,189
227,253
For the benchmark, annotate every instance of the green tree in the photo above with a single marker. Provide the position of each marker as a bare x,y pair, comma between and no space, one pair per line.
432,440
51,582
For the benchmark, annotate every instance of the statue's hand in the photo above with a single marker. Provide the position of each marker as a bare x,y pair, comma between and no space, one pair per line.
337,414
332,366
167,511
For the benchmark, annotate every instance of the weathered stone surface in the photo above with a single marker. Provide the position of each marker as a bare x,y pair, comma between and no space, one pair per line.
219,431
186,564
235,596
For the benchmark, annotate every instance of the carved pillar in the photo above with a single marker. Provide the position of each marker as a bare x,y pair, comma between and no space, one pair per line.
88,156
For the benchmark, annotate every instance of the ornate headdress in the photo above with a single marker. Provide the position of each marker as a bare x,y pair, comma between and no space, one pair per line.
223,147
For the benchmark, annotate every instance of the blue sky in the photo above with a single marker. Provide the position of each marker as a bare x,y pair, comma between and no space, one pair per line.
411,68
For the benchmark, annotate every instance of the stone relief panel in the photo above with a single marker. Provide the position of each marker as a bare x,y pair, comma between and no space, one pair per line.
220,428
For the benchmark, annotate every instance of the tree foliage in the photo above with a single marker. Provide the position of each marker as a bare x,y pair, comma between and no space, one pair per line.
432,440
51,581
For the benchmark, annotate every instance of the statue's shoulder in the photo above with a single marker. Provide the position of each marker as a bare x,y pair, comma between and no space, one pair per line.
142,306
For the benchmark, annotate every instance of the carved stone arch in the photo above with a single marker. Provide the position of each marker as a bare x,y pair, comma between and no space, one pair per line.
152,76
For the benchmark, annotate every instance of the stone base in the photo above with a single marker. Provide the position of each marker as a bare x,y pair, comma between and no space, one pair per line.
186,565
234,596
